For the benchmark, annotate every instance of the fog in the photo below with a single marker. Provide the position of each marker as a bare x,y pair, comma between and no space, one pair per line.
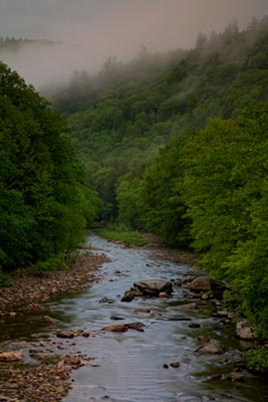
93,30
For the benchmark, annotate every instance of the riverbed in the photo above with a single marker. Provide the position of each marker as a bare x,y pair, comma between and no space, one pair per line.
159,364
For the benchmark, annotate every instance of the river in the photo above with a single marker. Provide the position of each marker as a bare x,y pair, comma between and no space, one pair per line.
130,366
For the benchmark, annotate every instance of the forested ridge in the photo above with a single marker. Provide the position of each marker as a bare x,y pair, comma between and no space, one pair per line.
176,144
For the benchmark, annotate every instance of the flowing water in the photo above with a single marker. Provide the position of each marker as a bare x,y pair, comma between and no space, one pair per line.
130,366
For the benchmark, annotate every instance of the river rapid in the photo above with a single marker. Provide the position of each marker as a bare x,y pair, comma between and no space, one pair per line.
130,366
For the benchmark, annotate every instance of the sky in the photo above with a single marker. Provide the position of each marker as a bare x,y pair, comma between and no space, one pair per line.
97,29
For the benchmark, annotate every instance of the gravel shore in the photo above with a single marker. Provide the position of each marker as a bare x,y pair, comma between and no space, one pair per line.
42,372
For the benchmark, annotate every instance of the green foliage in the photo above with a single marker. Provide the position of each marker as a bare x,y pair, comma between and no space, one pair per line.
177,144
42,198
257,359
54,263
122,235
164,210
129,198
120,118
225,190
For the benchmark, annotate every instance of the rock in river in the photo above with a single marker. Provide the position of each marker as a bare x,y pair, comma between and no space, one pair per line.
50,320
65,334
202,283
154,286
148,287
137,326
211,348
245,330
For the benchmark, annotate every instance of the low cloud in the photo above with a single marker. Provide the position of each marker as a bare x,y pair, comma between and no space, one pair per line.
97,29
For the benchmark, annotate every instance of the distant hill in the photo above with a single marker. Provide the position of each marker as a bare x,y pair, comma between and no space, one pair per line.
15,44
120,118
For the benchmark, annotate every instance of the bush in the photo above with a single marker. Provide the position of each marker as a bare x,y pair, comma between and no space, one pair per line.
257,359
54,263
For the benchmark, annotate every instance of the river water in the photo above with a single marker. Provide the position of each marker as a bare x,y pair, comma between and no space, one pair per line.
129,366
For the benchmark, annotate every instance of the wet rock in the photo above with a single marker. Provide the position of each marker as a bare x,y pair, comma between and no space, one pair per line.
175,365
156,314
35,307
153,287
50,320
165,366
211,287
177,319
115,328
218,288
104,300
234,377
129,295
86,334
194,325
206,296
224,361
9,357
200,284
65,334
212,348
163,294
148,287
245,330
222,313
137,326
145,310
92,364
116,318
72,361
189,306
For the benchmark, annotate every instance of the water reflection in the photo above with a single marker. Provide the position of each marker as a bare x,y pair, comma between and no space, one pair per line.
130,365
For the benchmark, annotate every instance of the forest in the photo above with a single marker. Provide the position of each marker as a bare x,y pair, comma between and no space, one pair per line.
175,144
43,198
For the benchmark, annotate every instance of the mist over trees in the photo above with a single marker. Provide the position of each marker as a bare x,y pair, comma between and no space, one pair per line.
172,143
175,144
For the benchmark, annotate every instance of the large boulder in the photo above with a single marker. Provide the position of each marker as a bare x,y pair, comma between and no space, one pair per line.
130,294
211,348
136,326
245,330
148,287
200,284
205,284
153,287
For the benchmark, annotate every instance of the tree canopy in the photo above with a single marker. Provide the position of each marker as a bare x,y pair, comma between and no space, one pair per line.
41,181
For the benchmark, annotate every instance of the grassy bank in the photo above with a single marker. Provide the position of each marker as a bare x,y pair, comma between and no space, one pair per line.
127,237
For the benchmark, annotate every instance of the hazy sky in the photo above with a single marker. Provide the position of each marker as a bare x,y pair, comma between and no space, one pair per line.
118,27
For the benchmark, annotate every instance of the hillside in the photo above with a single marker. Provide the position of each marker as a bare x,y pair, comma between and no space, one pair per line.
177,144
120,118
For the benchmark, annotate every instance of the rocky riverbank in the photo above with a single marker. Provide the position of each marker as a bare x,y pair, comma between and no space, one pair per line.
40,371
28,288
187,330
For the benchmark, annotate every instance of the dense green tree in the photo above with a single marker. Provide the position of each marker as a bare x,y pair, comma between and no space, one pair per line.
120,118
42,200
225,190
